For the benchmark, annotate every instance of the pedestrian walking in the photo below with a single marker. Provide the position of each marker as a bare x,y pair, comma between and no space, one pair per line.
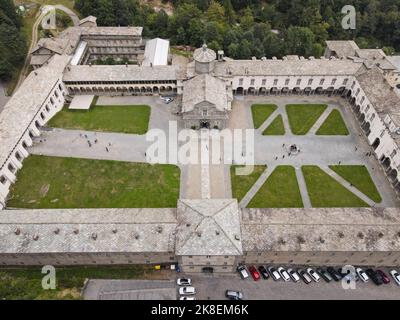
107,149
283,157
340,162
95,140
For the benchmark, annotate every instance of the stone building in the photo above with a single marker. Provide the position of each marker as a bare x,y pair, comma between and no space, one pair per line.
202,235
205,102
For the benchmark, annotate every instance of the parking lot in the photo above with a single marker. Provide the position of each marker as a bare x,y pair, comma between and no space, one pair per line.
213,287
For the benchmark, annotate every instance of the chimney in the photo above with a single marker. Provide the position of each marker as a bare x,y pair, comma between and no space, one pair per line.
17,231
220,55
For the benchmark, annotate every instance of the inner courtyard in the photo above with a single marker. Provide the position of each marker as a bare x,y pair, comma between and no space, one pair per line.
291,170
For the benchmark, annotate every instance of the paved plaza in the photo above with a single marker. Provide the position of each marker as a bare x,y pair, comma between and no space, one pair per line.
213,181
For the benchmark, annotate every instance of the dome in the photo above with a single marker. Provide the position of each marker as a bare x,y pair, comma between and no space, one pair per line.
204,54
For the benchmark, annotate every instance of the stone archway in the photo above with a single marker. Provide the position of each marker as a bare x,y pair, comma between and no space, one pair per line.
386,163
392,174
376,143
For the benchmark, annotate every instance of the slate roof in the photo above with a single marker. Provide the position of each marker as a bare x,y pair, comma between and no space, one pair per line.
208,227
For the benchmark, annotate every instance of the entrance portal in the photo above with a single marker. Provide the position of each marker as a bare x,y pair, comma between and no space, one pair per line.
204,125
207,270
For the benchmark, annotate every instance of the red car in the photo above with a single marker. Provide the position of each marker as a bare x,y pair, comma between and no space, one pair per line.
254,273
385,278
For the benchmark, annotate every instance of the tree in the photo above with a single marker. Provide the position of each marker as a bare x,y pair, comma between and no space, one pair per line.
12,55
229,12
8,8
215,12
247,19
299,40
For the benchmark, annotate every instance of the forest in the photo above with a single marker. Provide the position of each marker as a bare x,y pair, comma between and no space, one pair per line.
12,43
242,28
246,28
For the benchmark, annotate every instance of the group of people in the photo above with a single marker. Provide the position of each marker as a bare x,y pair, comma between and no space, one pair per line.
95,141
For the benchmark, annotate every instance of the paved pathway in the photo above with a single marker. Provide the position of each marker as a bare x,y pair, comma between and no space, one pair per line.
269,120
303,188
43,12
321,119
254,189
347,185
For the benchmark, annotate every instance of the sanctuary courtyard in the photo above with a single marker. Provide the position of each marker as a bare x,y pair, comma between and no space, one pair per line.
80,183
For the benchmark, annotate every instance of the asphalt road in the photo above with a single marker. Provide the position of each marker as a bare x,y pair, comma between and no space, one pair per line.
212,287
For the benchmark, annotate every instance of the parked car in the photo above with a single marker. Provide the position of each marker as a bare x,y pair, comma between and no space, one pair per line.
362,275
242,271
396,276
347,275
184,282
304,276
254,273
187,298
168,99
384,276
283,273
294,275
234,295
274,273
374,276
263,271
334,274
324,274
313,274
183,291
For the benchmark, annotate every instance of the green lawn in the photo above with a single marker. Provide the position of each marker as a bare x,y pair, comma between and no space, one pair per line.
281,190
52,182
261,112
325,192
26,283
333,125
242,184
303,116
126,119
276,128
360,178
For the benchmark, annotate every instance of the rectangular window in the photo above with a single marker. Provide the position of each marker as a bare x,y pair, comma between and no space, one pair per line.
321,82
252,82
298,82
264,82
240,81
333,82
345,81
287,82
275,82
394,152
310,82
